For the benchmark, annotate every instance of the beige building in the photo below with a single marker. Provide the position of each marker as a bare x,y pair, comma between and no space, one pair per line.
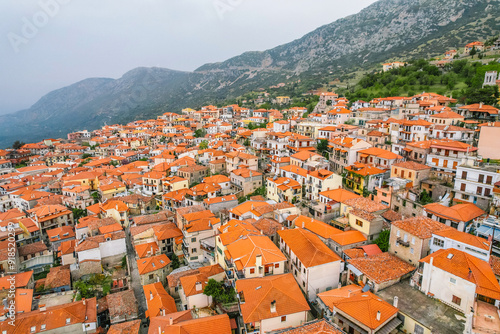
410,238
246,179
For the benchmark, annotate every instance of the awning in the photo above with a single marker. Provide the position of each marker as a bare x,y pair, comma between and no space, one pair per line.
354,270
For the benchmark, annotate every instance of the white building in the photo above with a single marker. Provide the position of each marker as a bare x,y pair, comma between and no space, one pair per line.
457,279
316,267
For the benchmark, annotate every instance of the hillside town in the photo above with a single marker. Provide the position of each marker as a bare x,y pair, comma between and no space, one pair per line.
359,217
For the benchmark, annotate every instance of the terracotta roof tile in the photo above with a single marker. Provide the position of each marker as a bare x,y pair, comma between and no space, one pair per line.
382,267
258,294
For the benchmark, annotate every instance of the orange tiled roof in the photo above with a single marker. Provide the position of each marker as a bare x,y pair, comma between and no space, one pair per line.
467,267
316,226
382,267
258,294
244,251
466,238
153,263
421,227
459,212
158,300
310,250
349,300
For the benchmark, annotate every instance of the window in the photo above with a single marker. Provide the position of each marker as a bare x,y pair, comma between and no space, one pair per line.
480,179
193,239
453,280
411,250
276,265
283,318
68,321
489,179
456,300
42,327
413,240
33,329
418,329
359,222
438,242
252,270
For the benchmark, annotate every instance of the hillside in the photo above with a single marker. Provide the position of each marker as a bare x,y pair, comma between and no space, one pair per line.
386,29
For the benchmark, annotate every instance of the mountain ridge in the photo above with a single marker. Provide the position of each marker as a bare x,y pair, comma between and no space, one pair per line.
387,29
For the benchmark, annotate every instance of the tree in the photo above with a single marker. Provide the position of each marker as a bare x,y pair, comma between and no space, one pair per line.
425,198
246,142
18,144
473,51
200,133
383,240
322,145
204,145
219,292
175,261
78,213
124,261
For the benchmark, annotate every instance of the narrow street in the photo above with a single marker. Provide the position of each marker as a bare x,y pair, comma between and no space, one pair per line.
135,279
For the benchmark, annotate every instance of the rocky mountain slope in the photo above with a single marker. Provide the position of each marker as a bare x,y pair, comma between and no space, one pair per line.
384,30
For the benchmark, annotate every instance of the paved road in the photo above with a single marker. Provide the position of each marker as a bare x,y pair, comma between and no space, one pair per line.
135,279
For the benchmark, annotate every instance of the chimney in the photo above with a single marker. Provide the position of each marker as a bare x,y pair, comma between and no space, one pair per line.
480,104
273,306
163,312
159,328
42,308
303,225
83,300
150,295
395,302
198,286
378,315
258,261
171,321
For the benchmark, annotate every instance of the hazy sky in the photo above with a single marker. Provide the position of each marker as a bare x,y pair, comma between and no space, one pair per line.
49,44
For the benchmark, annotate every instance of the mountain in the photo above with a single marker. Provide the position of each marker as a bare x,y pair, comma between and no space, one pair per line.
397,29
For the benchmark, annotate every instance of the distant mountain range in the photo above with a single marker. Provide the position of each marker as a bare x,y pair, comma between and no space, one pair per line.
386,29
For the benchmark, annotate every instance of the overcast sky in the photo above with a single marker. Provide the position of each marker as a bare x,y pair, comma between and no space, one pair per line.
49,44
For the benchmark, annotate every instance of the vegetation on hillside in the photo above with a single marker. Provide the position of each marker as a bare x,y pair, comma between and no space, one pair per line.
461,79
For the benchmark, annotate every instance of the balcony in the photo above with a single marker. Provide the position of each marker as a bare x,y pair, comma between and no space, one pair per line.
403,243
229,264
249,329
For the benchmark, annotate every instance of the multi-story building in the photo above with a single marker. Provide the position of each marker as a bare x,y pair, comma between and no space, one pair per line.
474,183
316,267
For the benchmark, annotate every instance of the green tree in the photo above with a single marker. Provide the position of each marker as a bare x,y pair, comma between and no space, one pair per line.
473,51
175,261
322,145
425,198
200,133
204,145
18,144
246,142
78,213
383,240
219,292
